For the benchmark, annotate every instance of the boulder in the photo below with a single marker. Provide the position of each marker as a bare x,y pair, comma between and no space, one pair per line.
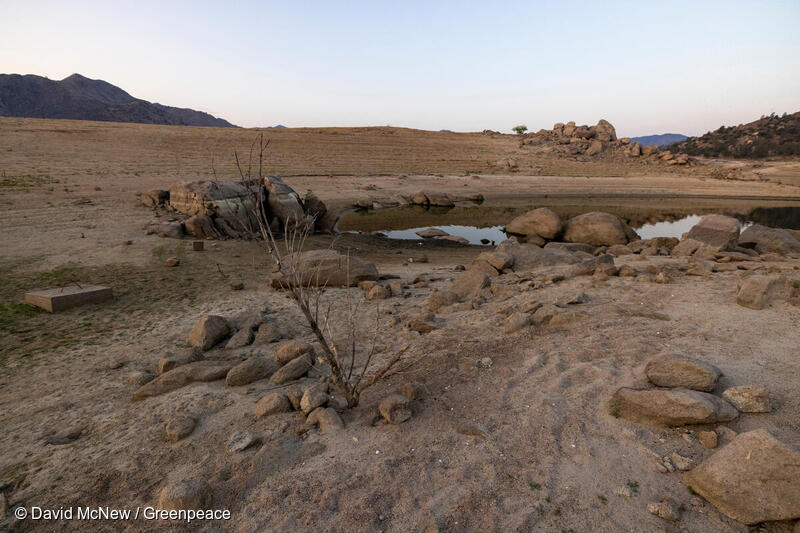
185,494
671,407
618,250
201,226
284,202
227,200
656,242
241,440
266,334
155,198
290,350
452,238
137,378
469,284
439,199
169,361
316,209
441,299
516,322
253,369
326,418
313,397
571,247
170,230
179,428
604,131
328,268
758,291
182,376
419,198
431,232
541,222
594,148
754,478
240,339
718,231
598,229
208,331
378,292
529,257
769,240
395,409
294,369
680,371
748,398
272,403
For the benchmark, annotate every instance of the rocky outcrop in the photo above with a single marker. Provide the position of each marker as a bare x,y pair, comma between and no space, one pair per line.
671,407
598,229
755,478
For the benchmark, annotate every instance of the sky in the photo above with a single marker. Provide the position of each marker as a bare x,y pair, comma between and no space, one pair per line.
647,67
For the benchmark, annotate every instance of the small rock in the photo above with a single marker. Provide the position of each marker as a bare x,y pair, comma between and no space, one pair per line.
378,292
671,407
137,378
179,428
682,463
624,492
516,322
184,357
241,338
414,391
290,350
681,371
208,331
267,333
486,362
253,369
440,299
366,285
708,439
326,418
185,494
396,287
172,262
666,509
272,403
748,398
237,285
420,327
395,409
241,440
294,369
313,397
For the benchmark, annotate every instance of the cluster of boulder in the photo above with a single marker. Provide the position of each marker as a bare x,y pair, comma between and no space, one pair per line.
746,479
228,209
570,139
595,228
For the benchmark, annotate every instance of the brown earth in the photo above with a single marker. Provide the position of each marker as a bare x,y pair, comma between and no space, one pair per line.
527,444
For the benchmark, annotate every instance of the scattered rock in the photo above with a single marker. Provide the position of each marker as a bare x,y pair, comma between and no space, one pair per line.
671,407
754,478
208,331
313,397
172,262
326,418
181,376
718,231
757,291
598,229
236,286
666,509
185,494
253,369
516,322
680,371
179,428
395,409
541,222
272,403
292,370
241,440
291,350
748,398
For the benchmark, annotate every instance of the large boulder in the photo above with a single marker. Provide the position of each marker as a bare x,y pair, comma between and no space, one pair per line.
763,240
183,375
680,371
718,231
671,407
757,292
208,331
754,478
542,222
604,131
284,202
328,268
230,201
598,229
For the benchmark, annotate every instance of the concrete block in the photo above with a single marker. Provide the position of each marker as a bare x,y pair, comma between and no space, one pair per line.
61,298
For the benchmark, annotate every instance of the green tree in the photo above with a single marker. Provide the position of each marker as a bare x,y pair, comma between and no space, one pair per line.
522,128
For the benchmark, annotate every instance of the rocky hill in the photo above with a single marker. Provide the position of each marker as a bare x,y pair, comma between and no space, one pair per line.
663,140
771,135
80,98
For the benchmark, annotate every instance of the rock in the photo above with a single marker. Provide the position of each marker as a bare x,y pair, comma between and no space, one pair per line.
419,198
208,331
755,478
656,242
666,509
594,148
682,463
718,231
378,292
480,265
316,209
439,199
272,403
250,319
418,258
452,238
516,322
497,260
170,361
241,338
137,378
181,376
484,362
236,285
185,494
604,131
241,440
294,369
326,418
598,229
227,202
758,291
671,407
748,398
680,371
329,268
313,397
267,333
291,350
431,232
541,222
420,326
414,391
708,439
366,285
395,409
618,250
155,198
170,230
179,428
284,203
769,240
396,287
441,299
172,262
201,227
469,284
253,369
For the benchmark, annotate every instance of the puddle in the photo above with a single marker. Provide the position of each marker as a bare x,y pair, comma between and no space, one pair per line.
483,224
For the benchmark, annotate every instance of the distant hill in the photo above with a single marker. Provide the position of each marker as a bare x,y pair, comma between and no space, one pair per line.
81,98
661,141
771,135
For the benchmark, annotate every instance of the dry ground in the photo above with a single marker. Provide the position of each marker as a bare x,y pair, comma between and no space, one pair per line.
526,445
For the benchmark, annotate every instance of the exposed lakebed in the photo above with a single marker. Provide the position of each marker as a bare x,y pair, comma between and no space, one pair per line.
483,223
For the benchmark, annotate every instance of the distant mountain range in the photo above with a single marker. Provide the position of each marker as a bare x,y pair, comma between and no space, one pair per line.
661,141
81,98
771,135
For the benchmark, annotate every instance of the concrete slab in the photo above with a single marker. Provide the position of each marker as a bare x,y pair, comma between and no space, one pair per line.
61,298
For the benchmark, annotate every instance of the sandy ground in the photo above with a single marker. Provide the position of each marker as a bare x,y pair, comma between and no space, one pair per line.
526,445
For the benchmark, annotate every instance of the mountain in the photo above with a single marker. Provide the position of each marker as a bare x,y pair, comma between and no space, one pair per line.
81,98
659,140
768,136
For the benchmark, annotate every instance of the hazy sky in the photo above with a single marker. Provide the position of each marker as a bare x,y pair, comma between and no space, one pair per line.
647,67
